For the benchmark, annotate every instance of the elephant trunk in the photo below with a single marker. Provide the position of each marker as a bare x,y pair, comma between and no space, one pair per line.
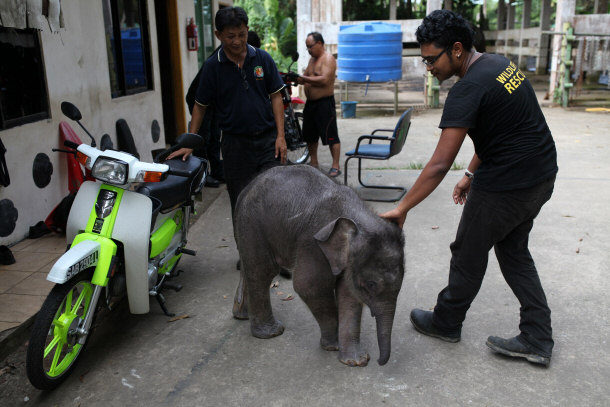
385,320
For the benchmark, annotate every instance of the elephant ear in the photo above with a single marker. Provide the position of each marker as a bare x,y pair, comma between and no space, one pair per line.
334,240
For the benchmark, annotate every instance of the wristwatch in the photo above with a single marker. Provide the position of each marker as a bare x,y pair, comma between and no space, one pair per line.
469,174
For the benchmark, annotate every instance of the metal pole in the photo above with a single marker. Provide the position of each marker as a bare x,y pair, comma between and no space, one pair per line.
562,93
567,64
395,97
433,89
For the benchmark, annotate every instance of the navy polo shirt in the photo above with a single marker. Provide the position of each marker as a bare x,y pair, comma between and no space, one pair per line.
240,95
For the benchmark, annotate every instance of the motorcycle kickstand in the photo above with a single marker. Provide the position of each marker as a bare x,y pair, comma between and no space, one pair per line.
156,292
161,300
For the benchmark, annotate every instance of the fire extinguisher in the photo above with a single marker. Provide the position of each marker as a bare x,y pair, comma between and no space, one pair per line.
192,42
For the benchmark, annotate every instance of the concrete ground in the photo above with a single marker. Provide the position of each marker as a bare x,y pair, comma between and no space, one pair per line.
211,359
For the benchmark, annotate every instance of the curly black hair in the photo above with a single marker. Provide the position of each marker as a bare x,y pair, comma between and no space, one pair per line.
443,28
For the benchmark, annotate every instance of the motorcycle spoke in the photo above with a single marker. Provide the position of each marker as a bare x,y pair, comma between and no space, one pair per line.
68,302
51,345
55,359
78,302
83,297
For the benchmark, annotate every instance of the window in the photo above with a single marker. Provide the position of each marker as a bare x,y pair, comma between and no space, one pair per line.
23,87
204,17
127,44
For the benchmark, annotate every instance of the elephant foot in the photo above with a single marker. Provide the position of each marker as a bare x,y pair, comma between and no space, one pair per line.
240,311
329,344
354,358
240,302
267,330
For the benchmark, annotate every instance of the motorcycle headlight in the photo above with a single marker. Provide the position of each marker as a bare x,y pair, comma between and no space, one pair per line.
110,170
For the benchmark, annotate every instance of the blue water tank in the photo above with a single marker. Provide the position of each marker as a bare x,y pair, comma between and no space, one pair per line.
370,52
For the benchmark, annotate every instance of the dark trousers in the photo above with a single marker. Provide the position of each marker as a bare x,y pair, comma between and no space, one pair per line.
502,220
245,157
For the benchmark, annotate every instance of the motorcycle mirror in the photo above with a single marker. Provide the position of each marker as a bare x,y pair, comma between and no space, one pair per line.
71,111
295,57
189,140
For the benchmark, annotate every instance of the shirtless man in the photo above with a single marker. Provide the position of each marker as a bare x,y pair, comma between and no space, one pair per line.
319,115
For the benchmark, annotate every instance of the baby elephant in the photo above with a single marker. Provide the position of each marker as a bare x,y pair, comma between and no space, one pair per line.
341,255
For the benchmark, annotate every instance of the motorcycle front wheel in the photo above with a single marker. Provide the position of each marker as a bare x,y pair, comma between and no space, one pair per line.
298,153
54,346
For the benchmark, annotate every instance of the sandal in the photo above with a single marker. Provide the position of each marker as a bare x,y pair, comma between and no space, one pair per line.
334,172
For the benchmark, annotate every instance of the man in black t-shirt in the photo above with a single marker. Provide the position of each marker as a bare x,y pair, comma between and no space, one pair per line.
508,180
243,84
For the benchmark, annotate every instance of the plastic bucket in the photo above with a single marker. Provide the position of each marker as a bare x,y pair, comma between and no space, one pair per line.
348,109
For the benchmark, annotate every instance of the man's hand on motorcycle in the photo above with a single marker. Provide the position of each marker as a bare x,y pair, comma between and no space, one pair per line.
183,152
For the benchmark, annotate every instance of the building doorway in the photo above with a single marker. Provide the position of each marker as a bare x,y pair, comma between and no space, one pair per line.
170,69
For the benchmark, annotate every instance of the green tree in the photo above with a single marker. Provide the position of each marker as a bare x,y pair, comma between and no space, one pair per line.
275,27
367,10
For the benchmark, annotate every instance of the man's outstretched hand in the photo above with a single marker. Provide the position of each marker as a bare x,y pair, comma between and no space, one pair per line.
183,152
395,216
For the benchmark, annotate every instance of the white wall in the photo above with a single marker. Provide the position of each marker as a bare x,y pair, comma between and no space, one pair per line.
76,66
190,65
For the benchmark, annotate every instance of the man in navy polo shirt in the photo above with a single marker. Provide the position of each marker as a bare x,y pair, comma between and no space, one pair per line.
243,84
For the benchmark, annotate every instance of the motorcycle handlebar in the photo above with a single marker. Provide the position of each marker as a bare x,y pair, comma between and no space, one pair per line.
70,144
290,77
179,173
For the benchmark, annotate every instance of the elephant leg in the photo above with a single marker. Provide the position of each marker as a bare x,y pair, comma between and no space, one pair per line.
258,279
319,296
350,315
324,311
240,303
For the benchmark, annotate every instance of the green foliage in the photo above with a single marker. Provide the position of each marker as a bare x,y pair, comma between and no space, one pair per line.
275,27
288,37
367,10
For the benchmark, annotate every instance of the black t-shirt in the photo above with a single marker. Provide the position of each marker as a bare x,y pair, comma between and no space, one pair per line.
240,95
497,104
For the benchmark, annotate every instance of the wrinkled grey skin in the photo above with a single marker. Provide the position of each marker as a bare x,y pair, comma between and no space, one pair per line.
341,255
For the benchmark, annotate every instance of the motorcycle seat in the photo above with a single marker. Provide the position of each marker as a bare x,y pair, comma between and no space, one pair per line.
174,189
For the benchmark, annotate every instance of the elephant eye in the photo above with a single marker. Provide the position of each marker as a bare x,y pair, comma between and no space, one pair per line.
371,287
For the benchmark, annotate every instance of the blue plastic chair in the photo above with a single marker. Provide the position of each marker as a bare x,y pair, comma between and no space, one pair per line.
391,146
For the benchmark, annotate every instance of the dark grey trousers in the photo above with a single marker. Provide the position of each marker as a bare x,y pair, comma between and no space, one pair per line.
502,220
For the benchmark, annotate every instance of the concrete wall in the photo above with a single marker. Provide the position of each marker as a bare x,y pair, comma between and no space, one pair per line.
76,68
190,65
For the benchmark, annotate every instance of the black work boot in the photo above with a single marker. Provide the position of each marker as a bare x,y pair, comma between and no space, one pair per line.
422,321
515,348
211,182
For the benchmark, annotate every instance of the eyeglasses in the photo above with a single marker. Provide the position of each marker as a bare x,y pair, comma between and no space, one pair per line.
243,76
430,62
311,46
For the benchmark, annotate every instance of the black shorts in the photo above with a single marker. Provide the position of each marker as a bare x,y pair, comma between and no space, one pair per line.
320,121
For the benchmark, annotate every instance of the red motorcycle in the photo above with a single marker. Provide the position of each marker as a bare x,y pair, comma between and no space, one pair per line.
293,121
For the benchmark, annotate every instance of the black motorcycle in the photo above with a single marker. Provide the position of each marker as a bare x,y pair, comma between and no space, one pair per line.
298,152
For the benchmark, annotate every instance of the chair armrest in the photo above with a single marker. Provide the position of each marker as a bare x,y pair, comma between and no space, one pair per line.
370,138
376,130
